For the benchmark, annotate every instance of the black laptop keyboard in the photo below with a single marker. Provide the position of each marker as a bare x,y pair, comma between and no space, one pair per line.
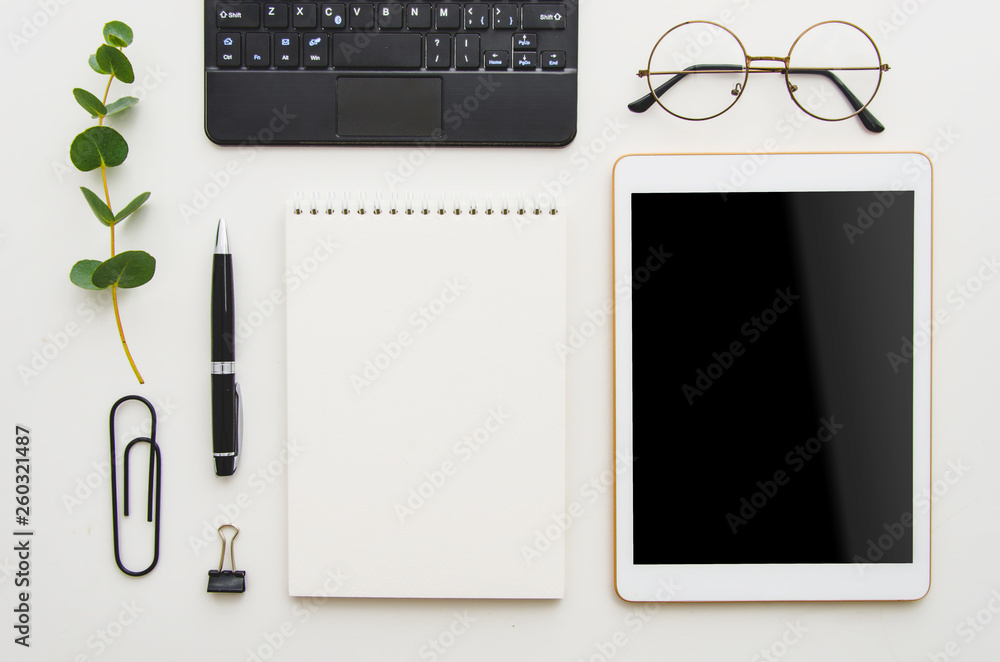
392,73
436,36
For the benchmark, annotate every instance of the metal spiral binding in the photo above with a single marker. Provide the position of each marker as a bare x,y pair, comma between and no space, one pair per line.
526,205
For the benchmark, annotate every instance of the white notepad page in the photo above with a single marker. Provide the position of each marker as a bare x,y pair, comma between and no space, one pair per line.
426,401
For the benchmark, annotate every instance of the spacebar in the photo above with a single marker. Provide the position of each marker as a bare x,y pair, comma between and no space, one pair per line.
376,51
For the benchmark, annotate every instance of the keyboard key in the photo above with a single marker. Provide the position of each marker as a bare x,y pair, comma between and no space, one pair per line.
275,16
418,17
438,51
315,52
237,16
547,17
467,51
477,16
525,60
449,16
286,49
390,16
258,49
382,51
303,16
227,49
496,59
553,59
524,41
333,17
505,17
362,17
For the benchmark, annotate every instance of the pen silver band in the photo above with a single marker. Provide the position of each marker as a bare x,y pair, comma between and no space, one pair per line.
224,454
223,367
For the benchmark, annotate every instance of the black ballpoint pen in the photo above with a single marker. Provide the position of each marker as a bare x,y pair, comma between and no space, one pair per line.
227,413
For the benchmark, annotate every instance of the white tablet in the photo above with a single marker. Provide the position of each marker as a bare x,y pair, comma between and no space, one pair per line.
772,376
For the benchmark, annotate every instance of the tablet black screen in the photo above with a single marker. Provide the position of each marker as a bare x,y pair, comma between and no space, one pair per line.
772,377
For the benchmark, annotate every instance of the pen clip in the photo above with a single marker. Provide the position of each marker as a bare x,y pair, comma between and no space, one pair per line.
238,397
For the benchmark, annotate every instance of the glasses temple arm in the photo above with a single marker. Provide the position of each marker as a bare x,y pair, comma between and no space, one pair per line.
867,119
646,102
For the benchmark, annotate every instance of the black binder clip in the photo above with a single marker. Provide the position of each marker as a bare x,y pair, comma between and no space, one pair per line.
227,581
155,472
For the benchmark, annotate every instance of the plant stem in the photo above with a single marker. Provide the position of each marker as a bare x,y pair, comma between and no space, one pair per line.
121,333
114,288
107,89
107,199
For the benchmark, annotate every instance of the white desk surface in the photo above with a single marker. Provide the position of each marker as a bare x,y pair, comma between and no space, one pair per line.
940,98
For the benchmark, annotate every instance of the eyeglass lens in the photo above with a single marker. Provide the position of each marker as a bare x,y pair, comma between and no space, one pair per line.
829,63
712,63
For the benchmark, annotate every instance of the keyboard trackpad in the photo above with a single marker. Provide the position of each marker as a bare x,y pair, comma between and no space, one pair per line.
373,107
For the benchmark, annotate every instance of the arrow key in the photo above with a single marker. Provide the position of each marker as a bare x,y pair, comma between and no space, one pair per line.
496,59
524,41
525,60
553,59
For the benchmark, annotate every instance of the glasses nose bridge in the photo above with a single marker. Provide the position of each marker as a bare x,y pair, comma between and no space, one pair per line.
768,58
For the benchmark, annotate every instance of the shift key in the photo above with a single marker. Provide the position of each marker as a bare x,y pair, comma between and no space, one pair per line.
237,15
377,51
542,17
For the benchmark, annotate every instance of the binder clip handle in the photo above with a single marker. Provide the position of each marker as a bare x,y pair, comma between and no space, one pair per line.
227,581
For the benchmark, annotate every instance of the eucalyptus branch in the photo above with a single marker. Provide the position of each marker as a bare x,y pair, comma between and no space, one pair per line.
103,147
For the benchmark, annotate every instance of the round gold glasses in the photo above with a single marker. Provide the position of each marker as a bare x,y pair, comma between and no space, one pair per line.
699,69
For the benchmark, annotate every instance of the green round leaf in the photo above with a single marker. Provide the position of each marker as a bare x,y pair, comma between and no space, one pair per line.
117,34
84,154
90,103
97,145
82,274
126,270
120,66
101,210
97,67
103,59
121,104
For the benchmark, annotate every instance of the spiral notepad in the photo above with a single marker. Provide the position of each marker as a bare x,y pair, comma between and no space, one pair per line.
426,396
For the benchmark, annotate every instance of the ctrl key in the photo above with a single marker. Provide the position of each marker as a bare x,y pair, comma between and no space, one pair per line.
227,49
553,59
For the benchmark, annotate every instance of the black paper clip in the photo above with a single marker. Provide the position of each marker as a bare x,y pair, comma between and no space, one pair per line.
227,581
155,472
